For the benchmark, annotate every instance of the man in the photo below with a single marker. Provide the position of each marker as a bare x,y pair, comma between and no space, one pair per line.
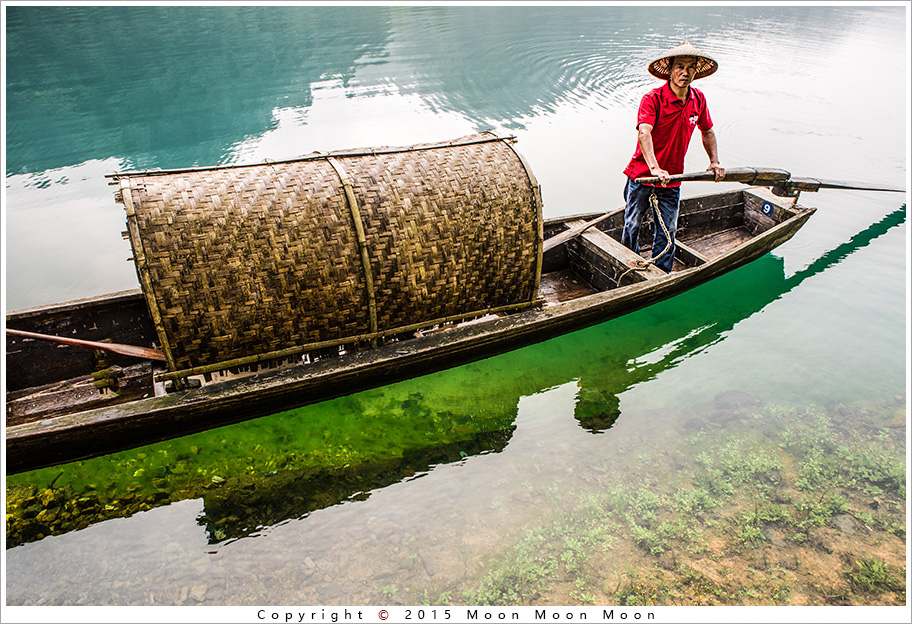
665,122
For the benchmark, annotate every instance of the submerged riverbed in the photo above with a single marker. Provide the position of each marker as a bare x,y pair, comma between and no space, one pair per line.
741,444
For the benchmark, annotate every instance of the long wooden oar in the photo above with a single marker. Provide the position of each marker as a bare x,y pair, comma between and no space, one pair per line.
752,176
129,350
771,177
745,175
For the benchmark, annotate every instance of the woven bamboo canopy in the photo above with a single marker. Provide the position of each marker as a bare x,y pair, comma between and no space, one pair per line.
244,263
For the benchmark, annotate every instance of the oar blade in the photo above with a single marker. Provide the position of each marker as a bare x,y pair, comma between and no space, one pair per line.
852,186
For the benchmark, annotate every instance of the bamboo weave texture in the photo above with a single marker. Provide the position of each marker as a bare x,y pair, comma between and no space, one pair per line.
246,260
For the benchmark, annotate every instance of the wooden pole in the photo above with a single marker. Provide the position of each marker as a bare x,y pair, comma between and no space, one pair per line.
573,232
745,175
771,177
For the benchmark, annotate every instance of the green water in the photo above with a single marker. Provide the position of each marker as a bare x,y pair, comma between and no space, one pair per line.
602,467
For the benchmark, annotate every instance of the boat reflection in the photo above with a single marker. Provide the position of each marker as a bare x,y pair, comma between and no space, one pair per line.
597,407
249,504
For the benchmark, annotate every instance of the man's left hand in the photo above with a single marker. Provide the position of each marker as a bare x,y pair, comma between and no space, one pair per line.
717,170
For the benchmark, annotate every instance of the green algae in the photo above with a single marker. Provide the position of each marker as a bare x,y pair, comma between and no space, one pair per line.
299,461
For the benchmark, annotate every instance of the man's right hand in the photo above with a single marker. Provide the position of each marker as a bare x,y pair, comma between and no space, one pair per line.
663,176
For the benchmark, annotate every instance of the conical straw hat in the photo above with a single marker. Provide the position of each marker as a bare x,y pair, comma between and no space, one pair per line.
706,64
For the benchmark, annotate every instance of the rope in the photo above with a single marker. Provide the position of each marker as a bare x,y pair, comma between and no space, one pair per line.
642,265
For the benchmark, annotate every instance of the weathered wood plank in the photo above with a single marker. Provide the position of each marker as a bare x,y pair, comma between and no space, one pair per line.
619,256
564,285
754,199
724,217
763,210
110,387
700,203
593,267
688,256
719,243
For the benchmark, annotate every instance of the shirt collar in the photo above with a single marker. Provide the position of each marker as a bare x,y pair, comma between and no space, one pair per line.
670,97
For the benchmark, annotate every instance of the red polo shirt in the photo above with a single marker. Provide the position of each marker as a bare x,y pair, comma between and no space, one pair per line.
673,123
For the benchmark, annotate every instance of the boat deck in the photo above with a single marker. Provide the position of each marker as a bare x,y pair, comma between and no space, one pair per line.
564,285
719,243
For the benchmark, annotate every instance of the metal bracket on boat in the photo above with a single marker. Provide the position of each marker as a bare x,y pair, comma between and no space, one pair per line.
785,190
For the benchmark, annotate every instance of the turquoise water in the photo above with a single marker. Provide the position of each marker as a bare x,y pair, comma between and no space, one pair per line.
424,491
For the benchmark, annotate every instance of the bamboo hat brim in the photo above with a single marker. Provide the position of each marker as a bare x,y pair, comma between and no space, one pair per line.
661,66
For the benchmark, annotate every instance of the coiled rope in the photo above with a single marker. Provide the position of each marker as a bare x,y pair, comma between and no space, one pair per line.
642,265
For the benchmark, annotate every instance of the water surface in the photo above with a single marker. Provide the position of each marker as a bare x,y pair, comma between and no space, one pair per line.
742,444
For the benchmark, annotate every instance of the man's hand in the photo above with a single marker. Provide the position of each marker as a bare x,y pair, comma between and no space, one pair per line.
717,170
663,176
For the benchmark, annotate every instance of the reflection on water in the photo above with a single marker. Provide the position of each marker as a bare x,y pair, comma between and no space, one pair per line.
739,444
166,86
181,86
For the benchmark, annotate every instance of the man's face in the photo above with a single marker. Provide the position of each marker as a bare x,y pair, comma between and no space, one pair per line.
683,70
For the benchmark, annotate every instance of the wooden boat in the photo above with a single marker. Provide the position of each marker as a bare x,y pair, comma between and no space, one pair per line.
67,402
293,492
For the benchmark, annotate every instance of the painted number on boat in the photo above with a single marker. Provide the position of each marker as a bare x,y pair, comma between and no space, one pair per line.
767,209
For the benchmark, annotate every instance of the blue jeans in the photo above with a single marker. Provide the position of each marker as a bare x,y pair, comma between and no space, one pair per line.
637,197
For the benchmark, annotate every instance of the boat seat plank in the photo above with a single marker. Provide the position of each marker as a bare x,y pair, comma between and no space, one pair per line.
615,252
690,251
